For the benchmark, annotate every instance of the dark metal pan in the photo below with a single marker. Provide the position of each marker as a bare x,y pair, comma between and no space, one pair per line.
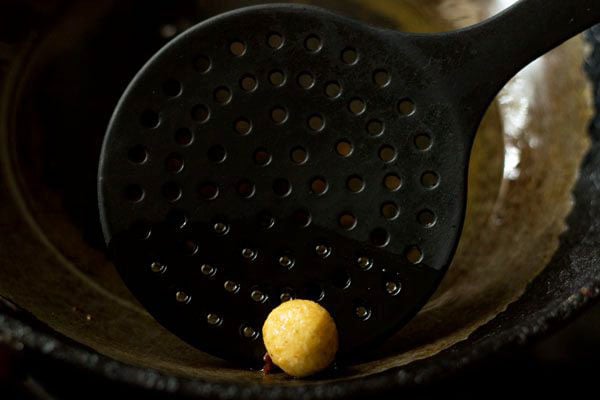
68,317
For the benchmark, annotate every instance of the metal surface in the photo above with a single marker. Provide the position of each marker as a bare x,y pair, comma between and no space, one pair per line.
224,188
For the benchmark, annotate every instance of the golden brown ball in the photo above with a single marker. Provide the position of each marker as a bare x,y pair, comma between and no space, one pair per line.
301,337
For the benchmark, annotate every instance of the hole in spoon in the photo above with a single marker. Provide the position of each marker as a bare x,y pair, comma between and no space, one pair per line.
319,186
172,88
137,154
202,64
350,56
248,83
380,237
430,180
390,211
355,184
423,142
262,157
279,115
282,187
357,106
201,113
134,193
313,44
427,218
243,126
406,107
381,78
316,123
333,90
306,80
344,148
222,95
299,155
217,154
392,182
237,48
347,221
275,40
414,255
277,78
184,137
150,119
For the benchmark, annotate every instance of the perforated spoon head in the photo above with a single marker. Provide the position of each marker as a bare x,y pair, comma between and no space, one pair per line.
283,151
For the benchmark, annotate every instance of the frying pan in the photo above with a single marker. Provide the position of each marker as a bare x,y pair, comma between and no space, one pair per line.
62,57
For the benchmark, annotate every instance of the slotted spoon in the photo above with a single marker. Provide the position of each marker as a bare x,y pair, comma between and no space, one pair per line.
283,151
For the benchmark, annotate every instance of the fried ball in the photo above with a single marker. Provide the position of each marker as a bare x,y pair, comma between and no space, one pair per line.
301,337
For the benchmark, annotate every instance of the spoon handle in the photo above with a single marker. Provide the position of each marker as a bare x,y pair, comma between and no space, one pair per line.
487,55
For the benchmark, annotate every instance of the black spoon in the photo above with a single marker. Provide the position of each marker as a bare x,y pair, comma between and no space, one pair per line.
283,151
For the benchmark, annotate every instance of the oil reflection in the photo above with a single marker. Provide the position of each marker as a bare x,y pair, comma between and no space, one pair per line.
515,102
